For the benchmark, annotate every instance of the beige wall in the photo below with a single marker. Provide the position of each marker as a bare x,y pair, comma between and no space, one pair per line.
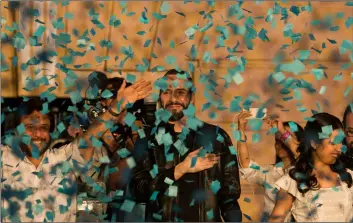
173,28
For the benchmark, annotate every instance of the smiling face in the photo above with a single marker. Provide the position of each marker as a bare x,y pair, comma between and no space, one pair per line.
176,97
281,152
327,151
37,126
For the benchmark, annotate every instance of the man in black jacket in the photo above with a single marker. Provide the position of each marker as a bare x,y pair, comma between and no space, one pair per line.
188,170
347,157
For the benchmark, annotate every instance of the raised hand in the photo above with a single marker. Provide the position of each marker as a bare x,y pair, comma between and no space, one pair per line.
243,120
276,123
133,93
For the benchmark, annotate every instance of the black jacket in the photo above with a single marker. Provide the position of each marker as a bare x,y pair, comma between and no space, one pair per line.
224,203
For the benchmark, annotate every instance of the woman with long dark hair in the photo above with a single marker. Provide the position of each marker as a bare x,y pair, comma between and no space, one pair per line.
266,176
318,187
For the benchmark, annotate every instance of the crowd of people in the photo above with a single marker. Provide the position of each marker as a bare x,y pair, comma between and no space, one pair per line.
181,169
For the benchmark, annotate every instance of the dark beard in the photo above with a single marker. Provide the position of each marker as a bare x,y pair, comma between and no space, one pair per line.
176,116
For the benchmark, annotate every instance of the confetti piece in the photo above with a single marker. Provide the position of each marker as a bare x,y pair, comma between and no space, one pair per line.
154,195
319,73
165,7
255,167
215,186
123,153
131,162
296,67
210,214
21,129
339,138
129,119
173,191
247,217
168,181
232,150
256,138
128,205
157,216
247,200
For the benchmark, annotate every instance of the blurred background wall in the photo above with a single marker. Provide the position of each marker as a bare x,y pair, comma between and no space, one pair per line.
231,48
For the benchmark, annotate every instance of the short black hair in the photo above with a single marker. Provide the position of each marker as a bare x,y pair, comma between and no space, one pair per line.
27,107
175,72
346,113
97,78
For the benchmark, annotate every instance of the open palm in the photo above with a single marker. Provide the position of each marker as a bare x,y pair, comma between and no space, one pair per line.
135,92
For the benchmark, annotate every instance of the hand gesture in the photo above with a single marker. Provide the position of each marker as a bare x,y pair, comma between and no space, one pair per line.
202,163
276,123
243,120
133,93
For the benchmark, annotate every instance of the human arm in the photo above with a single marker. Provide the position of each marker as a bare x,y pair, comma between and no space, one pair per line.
284,202
131,94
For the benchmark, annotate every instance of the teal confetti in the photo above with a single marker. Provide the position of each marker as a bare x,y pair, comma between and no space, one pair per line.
180,13
154,195
247,200
141,133
338,77
319,73
255,124
327,130
141,33
304,54
232,150
295,10
123,153
157,216
165,7
256,138
215,186
293,127
129,119
349,3
173,191
106,94
61,127
295,67
279,77
255,167
247,217
339,138
159,16
263,36
210,214
131,78
172,44
347,91
128,205
171,60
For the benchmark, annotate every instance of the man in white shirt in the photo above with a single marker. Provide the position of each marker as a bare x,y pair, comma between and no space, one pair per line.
39,184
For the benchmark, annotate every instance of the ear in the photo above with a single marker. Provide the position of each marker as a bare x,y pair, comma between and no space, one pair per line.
313,144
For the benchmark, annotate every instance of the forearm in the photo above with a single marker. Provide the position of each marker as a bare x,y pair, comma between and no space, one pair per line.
178,171
116,180
243,151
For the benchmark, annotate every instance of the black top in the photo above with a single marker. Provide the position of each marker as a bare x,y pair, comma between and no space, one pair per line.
188,185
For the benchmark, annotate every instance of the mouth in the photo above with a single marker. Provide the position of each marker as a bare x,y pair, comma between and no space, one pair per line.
335,155
174,106
38,143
